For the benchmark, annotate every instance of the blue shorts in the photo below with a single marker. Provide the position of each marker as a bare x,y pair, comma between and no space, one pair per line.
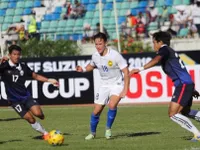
22,107
183,95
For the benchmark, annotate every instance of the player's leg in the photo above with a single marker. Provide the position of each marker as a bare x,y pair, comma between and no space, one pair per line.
180,99
33,106
101,100
21,109
112,111
191,113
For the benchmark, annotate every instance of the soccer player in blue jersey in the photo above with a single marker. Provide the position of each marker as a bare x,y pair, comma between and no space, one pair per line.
14,74
172,65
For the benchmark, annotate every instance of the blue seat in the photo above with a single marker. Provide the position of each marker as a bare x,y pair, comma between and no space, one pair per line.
47,17
108,6
91,7
142,10
121,20
134,12
55,16
38,25
37,3
84,2
27,11
143,4
65,37
76,37
2,12
12,5
58,10
93,1
168,2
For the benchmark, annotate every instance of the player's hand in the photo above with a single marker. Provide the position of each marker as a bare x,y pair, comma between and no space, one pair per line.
54,82
79,69
134,71
3,59
123,94
195,94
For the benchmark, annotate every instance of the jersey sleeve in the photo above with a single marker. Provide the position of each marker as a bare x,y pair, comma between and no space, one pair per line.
92,63
3,67
29,71
121,62
163,52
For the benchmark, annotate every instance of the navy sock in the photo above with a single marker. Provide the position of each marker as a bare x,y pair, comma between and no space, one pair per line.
192,113
93,123
195,114
111,117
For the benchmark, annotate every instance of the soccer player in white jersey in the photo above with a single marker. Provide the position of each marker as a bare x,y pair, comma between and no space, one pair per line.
113,86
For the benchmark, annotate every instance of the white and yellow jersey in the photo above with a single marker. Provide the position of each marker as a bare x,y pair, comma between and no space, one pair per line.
109,66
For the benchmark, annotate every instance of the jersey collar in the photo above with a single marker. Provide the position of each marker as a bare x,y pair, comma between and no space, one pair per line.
163,45
14,65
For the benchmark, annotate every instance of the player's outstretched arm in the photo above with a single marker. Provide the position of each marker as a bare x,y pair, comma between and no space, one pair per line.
150,64
85,69
44,79
126,82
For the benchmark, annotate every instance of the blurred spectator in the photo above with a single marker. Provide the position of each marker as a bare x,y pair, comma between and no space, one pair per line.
78,11
140,30
68,11
12,35
32,26
129,26
104,30
153,11
88,33
163,16
141,18
23,36
196,16
182,18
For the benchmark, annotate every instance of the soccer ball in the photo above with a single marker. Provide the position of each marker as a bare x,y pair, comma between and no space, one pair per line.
55,138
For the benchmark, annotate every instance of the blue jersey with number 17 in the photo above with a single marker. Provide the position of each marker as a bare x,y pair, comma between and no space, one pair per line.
173,66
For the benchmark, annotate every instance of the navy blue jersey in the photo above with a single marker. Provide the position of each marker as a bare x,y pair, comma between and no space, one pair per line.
173,66
14,77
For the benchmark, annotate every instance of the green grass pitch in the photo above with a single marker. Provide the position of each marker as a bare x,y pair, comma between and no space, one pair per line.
140,127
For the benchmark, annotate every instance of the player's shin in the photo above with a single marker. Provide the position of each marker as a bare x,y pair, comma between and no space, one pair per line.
93,123
38,127
184,122
195,114
111,117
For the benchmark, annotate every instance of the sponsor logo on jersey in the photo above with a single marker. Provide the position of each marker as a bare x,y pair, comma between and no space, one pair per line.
110,63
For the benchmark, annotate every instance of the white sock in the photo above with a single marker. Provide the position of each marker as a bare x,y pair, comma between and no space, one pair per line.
197,116
37,126
184,122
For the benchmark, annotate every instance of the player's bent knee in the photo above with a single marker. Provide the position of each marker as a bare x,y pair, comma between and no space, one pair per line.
30,120
40,115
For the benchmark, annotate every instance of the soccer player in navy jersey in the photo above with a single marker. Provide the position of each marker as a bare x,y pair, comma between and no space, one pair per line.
14,74
172,65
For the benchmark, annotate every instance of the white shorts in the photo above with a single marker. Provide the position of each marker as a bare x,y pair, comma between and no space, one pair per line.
105,92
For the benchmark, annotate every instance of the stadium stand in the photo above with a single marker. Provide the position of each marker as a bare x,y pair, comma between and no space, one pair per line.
49,16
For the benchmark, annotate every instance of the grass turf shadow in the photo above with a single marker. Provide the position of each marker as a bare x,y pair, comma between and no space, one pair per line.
10,119
135,134
9,141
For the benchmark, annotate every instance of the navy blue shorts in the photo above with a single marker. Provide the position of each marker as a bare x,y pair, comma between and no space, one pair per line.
183,95
22,107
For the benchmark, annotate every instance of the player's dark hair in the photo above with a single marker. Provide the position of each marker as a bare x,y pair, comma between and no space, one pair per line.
101,36
14,47
165,37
